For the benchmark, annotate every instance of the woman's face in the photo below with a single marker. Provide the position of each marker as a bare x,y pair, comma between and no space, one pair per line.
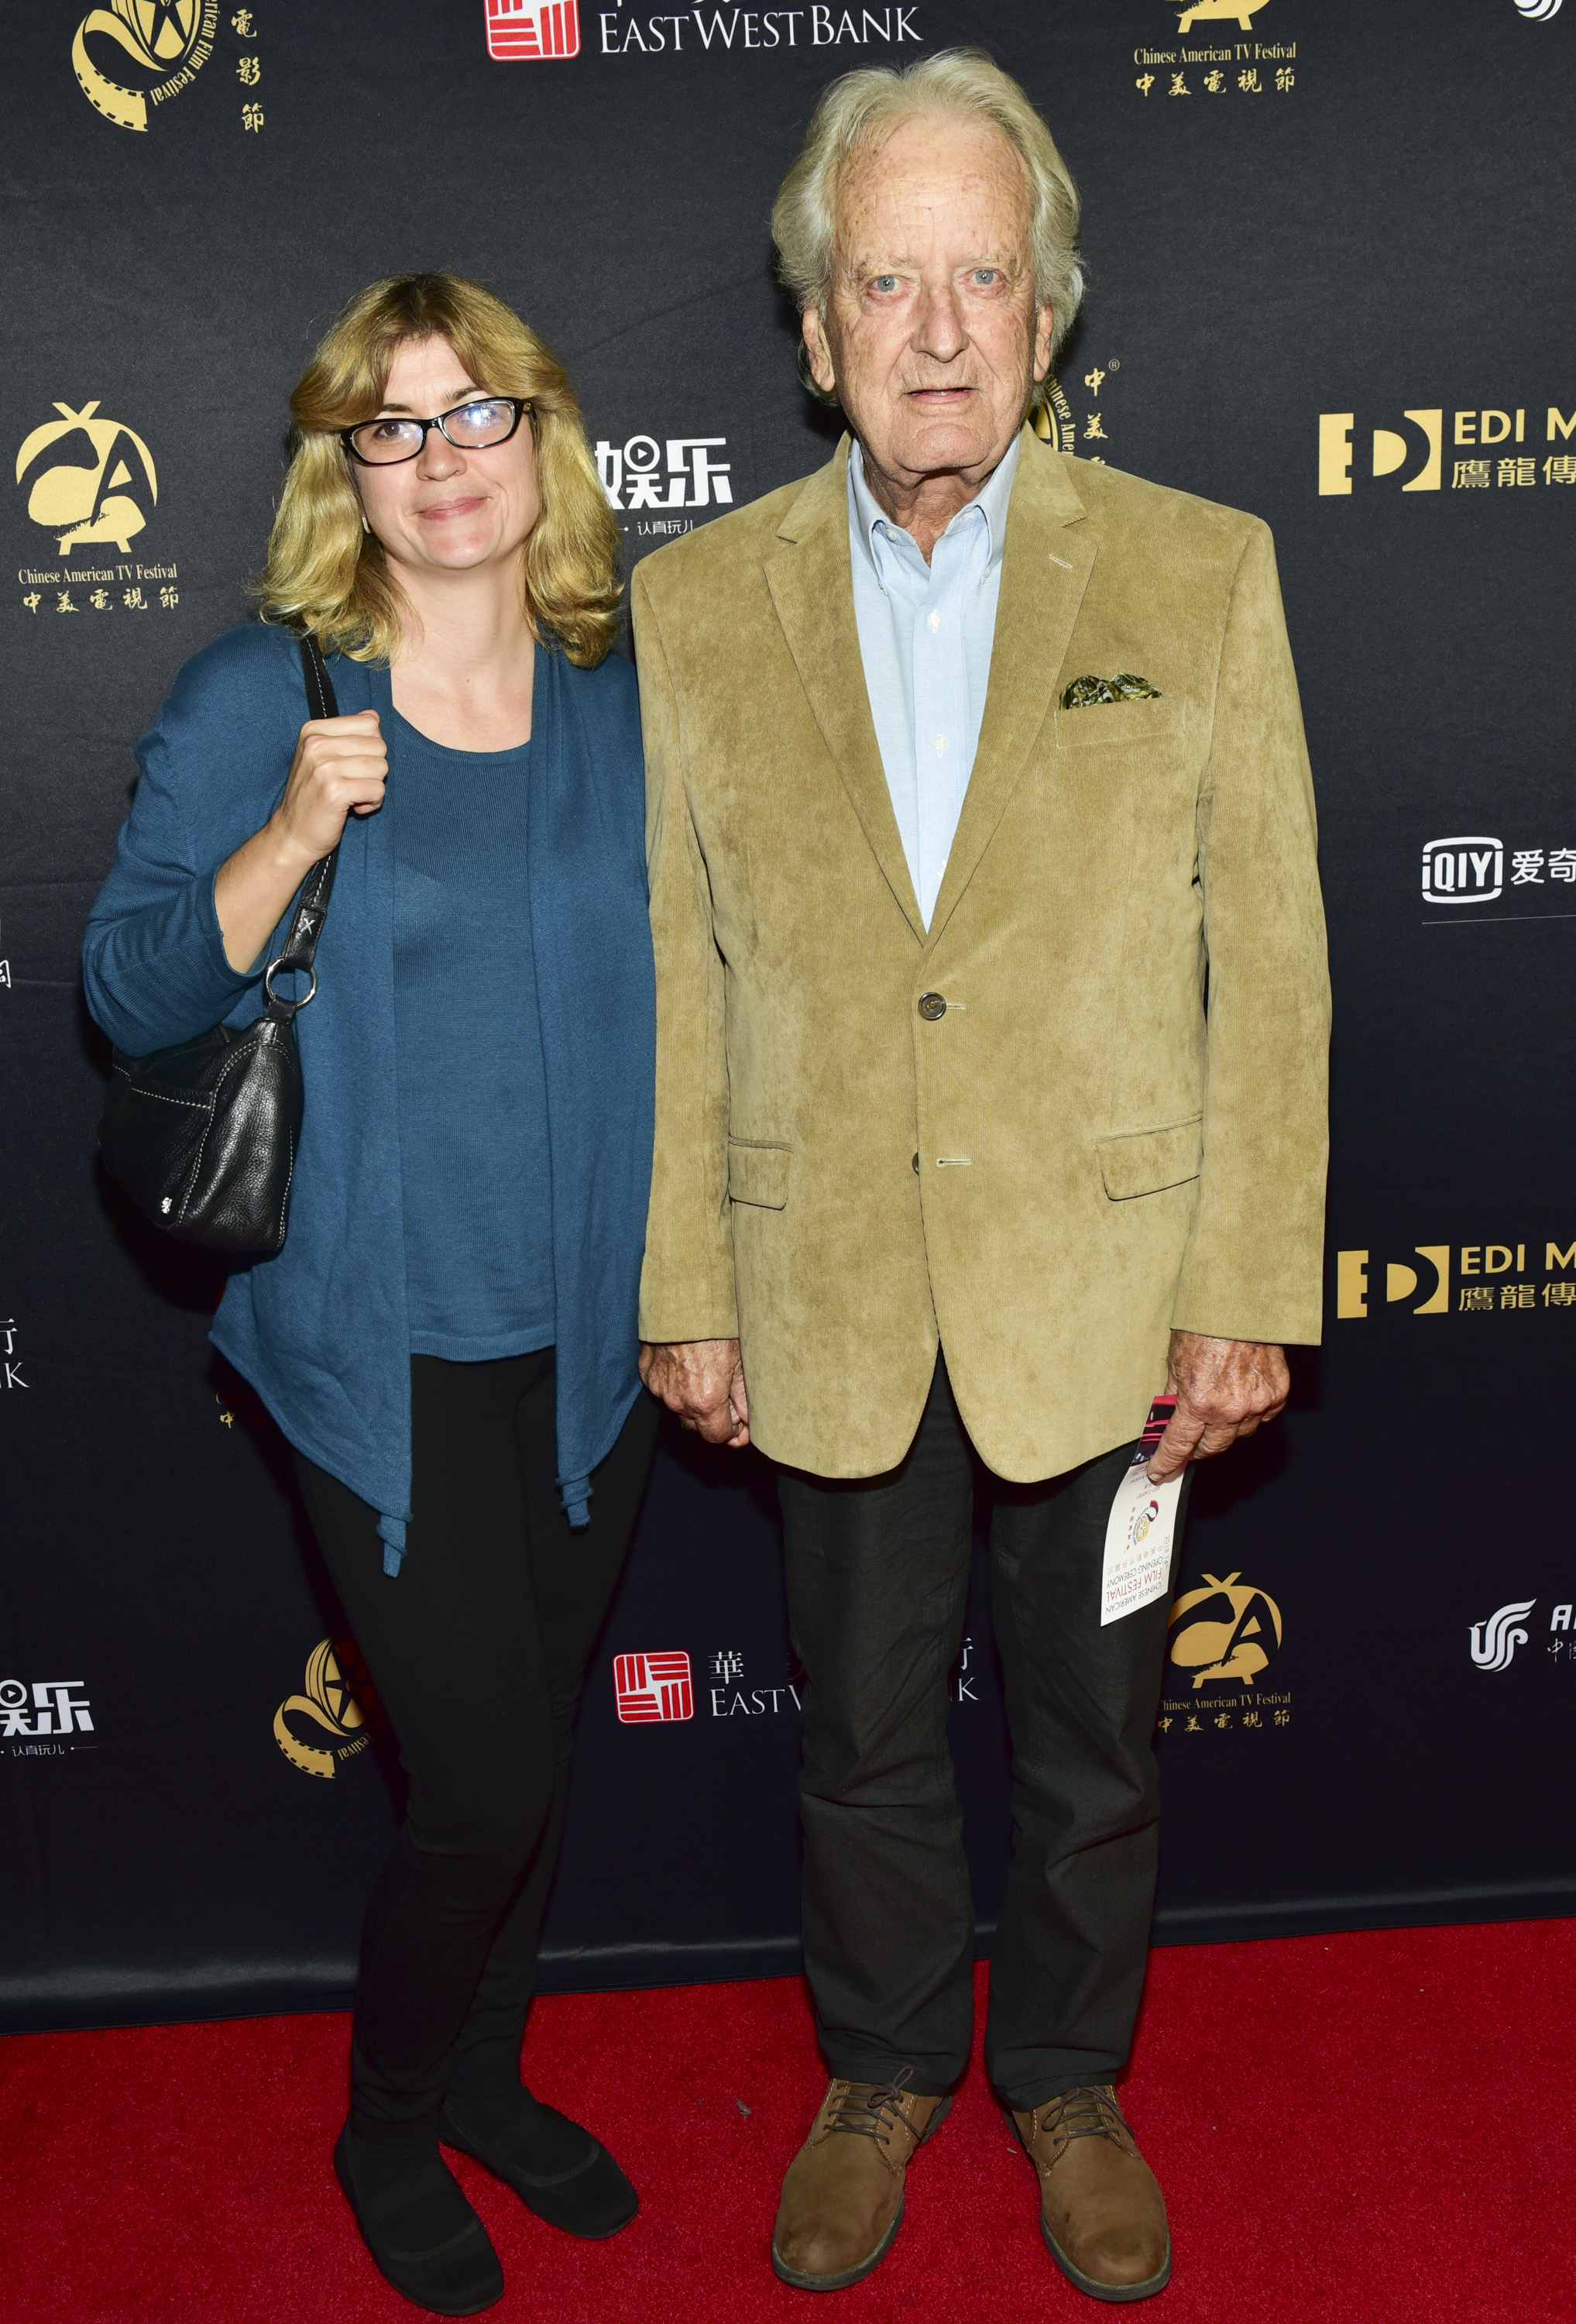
447,510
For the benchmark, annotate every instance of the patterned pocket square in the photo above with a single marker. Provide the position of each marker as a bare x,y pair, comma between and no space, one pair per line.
1124,686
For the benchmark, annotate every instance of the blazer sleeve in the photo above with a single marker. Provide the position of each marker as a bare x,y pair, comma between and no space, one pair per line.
686,1284
1253,1269
212,768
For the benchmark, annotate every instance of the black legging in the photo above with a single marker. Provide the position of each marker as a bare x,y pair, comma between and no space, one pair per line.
478,1650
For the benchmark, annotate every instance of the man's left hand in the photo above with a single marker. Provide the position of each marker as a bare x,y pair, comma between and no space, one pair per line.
1225,1389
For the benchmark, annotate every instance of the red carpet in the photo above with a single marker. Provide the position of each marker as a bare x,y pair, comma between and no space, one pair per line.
1371,2129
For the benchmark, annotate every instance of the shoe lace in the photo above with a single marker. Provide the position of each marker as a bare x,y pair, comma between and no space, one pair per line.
871,2109
1087,2113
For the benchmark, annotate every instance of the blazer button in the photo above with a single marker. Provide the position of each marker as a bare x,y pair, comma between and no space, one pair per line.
932,1006
917,1166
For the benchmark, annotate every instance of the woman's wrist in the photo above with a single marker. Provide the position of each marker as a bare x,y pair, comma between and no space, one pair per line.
282,853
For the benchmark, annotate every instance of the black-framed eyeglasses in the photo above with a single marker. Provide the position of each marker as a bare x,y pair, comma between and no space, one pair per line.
470,427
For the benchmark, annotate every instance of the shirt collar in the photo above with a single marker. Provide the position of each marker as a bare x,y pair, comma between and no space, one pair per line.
991,500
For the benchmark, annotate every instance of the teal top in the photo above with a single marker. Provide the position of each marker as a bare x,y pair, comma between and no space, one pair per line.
474,1169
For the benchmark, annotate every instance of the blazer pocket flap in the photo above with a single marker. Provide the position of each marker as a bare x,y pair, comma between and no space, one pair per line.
758,1175
1151,1159
1131,723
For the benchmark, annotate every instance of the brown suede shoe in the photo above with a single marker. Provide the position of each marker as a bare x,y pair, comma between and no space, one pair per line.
1102,2211
842,2198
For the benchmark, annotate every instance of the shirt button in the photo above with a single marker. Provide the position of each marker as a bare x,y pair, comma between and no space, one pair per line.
936,620
931,1007
940,745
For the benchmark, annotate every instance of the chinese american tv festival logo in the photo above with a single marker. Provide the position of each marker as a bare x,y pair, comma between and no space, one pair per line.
518,30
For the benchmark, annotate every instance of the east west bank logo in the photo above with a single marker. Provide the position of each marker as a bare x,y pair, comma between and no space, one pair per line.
166,42
653,1690
1486,436
519,32
101,498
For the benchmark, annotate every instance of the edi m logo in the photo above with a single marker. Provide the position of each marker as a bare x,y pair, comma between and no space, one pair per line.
1496,1640
1416,457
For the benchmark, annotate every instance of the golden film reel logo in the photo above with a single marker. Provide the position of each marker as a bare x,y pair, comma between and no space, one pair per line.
337,1700
99,498
166,42
1233,1632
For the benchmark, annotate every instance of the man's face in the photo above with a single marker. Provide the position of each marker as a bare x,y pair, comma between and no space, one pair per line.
931,335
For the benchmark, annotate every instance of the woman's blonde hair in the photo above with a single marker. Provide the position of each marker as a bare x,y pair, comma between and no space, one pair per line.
326,573
857,115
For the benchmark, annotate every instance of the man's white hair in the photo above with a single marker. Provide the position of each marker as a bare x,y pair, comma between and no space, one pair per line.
857,115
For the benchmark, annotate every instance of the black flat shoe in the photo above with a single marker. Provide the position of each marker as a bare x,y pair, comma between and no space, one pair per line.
424,2236
558,2170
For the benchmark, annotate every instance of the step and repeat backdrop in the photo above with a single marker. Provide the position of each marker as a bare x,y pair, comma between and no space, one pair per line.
1332,280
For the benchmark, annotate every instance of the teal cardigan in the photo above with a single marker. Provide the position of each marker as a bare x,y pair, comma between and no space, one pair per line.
321,1331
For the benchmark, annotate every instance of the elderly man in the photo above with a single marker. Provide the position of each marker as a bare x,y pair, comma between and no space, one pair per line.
990,1091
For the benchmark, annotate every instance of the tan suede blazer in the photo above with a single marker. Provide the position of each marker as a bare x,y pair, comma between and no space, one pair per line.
1078,1154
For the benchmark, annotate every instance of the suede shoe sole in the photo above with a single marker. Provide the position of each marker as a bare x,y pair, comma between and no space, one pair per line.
1112,2292
459,2274
585,2195
873,2260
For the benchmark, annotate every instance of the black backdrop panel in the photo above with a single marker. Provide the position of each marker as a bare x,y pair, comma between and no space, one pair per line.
1331,281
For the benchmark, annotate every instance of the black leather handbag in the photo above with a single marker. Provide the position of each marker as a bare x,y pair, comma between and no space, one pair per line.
203,1137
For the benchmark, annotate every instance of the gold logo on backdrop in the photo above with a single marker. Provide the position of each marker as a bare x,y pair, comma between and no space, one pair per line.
166,41
1231,1640
1241,12
96,501
337,1698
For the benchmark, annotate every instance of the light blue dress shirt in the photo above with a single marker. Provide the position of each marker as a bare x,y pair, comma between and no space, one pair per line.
925,637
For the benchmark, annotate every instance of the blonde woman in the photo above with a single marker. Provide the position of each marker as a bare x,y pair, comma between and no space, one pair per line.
448,1336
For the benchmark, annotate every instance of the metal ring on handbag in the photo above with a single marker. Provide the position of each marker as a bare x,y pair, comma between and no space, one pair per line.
282,962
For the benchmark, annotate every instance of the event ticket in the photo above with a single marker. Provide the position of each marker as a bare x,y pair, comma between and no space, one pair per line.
1137,1533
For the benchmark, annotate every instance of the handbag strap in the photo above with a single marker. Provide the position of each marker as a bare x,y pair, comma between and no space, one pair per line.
301,945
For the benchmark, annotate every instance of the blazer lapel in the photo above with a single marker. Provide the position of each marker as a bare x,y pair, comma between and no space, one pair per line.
811,581
1047,556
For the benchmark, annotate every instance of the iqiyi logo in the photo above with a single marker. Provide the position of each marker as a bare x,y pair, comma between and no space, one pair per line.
1497,1639
1467,870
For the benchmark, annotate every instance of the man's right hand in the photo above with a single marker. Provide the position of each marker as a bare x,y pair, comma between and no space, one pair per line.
703,1381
